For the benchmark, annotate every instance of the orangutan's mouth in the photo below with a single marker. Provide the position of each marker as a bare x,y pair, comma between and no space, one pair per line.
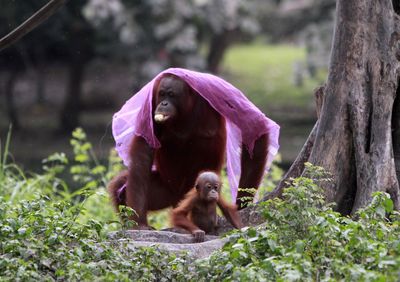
160,118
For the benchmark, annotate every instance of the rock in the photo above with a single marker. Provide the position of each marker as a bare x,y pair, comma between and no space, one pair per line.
195,250
250,217
179,241
169,241
157,236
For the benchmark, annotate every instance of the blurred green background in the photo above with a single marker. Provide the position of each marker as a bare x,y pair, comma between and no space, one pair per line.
79,67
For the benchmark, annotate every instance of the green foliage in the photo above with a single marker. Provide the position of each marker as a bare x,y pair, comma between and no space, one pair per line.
42,240
269,182
274,175
303,239
88,175
93,178
48,233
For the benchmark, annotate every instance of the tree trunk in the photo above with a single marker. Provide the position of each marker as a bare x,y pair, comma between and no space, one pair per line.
40,84
219,44
72,105
396,132
81,52
358,133
10,103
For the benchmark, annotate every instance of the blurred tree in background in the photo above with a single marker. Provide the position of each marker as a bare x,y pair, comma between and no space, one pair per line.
153,35
163,33
65,38
28,53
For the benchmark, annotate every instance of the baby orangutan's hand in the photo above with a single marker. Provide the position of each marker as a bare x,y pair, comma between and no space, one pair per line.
199,235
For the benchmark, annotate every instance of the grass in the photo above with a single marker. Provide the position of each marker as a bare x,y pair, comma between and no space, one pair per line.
265,74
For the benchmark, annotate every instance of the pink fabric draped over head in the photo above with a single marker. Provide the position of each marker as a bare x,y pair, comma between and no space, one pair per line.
245,123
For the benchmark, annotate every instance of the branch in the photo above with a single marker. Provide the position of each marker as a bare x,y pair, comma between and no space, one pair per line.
36,19
396,140
250,215
298,165
319,99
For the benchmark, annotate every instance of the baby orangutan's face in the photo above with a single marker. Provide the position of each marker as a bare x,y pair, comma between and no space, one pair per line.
208,186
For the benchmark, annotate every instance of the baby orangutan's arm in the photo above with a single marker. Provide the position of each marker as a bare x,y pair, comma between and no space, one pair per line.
230,212
180,216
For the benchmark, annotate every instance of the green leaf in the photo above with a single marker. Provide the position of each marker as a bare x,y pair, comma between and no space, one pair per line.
388,203
300,246
81,158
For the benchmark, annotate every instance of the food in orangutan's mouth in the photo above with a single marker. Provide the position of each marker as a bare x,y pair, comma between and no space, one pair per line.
160,117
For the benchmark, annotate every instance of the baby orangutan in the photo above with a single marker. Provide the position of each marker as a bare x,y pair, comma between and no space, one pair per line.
197,213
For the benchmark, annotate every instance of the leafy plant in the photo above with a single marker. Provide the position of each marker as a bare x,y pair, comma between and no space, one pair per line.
303,239
49,233
42,240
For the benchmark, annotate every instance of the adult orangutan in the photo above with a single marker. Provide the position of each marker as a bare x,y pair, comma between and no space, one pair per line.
182,123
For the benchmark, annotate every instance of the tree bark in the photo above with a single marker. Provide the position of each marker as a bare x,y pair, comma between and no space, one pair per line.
396,132
357,135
